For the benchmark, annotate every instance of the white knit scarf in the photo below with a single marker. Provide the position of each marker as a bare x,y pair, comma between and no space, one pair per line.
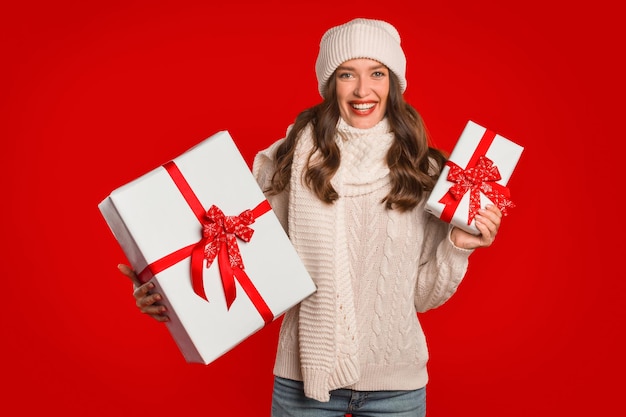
328,342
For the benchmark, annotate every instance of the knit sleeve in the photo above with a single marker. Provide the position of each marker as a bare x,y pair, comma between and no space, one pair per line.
263,168
442,265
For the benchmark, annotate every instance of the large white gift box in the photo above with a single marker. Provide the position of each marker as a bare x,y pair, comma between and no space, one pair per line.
201,229
475,174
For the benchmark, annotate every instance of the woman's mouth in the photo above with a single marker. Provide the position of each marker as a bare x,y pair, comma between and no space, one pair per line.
363,108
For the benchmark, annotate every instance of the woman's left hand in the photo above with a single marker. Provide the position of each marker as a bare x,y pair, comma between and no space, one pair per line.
487,222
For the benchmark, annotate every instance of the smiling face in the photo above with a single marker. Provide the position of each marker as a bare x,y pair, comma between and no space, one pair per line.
362,87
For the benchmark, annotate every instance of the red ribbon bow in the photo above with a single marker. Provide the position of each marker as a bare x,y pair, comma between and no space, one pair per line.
476,179
219,239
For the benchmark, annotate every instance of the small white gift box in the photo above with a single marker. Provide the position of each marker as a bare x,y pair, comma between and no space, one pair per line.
476,174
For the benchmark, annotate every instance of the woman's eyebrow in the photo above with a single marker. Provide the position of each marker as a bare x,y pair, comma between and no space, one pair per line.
349,68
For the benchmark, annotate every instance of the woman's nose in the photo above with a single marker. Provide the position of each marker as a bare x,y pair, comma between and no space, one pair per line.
361,88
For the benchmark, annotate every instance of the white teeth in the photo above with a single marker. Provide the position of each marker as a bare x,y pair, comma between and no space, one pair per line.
363,106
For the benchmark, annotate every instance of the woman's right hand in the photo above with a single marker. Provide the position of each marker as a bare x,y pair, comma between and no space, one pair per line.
147,301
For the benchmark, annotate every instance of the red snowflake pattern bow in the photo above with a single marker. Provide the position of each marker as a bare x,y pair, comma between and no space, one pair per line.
481,178
219,240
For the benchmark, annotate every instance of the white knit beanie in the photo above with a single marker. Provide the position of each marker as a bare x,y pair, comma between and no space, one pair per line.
360,38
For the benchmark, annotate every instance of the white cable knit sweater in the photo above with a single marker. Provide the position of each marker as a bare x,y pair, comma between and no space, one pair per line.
374,269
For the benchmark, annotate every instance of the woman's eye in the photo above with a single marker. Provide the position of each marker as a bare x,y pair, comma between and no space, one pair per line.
379,74
345,75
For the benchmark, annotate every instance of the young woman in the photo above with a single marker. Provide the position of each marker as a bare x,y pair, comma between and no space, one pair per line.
349,183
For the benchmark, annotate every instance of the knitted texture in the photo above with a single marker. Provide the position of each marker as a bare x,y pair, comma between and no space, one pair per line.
360,38
373,267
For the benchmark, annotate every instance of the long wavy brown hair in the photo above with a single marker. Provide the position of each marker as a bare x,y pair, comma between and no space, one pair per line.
414,165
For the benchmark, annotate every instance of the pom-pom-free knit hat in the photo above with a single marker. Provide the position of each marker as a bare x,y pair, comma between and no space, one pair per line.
360,38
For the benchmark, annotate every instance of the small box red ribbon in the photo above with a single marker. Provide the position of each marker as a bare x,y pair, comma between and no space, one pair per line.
219,240
479,176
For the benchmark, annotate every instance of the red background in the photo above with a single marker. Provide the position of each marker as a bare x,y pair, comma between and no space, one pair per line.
94,94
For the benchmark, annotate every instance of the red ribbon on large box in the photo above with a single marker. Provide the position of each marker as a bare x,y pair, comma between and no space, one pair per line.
219,240
479,176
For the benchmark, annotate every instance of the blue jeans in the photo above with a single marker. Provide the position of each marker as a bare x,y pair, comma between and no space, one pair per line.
288,400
